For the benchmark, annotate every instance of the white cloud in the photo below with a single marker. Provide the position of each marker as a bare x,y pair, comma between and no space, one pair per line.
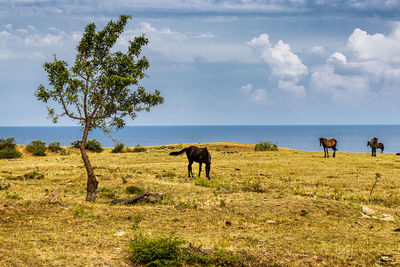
29,44
376,46
337,56
372,68
164,33
205,36
318,49
285,65
258,96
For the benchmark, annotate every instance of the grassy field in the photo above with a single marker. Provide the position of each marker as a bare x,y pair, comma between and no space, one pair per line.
284,208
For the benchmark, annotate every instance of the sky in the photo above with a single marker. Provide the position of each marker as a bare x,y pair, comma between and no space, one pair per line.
219,62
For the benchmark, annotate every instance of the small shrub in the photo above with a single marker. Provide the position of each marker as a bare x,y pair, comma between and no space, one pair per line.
138,149
266,146
94,145
54,147
159,251
10,153
118,148
168,251
91,145
76,143
7,143
134,190
64,152
37,148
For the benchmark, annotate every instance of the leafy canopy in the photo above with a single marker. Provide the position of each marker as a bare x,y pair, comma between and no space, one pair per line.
95,90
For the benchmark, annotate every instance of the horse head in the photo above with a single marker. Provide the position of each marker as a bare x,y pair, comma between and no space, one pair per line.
321,141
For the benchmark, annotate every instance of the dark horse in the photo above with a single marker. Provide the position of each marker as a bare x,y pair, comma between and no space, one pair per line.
200,155
374,144
328,143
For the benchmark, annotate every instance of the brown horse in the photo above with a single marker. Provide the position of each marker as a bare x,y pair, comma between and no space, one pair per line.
381,147
328,143
373,143
200,155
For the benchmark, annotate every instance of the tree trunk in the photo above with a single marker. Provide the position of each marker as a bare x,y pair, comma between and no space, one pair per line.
91,181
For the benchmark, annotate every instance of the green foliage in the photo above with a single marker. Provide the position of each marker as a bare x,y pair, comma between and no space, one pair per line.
54,147
94,146
168,251
10,153
118,148
7,149
266,146
76,143
97,88
159,251
134,190
91,145
8,143
37,148
138,149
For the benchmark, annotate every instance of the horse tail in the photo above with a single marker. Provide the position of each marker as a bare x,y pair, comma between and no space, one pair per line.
177,152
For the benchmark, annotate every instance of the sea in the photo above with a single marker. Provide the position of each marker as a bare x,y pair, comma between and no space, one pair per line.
351,138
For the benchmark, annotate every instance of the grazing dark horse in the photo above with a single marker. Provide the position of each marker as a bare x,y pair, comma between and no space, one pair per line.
373,143
328,143
200,155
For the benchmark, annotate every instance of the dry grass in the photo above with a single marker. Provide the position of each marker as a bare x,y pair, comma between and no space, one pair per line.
287,207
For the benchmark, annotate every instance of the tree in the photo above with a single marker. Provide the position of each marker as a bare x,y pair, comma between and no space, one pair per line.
95,91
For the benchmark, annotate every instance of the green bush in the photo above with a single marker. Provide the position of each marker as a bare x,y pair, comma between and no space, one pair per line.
118,148
168,251
37,148
7,143
138,149
159,251
266,146
76,143
54,147
92,145
10,153
134,190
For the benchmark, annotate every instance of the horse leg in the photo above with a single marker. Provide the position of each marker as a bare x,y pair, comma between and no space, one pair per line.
190,169
334,151
327,153
199,168
208,167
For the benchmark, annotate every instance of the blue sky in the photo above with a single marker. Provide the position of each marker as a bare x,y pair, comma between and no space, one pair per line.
221,62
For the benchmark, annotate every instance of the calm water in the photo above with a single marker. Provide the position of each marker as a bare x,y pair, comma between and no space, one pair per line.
351,138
